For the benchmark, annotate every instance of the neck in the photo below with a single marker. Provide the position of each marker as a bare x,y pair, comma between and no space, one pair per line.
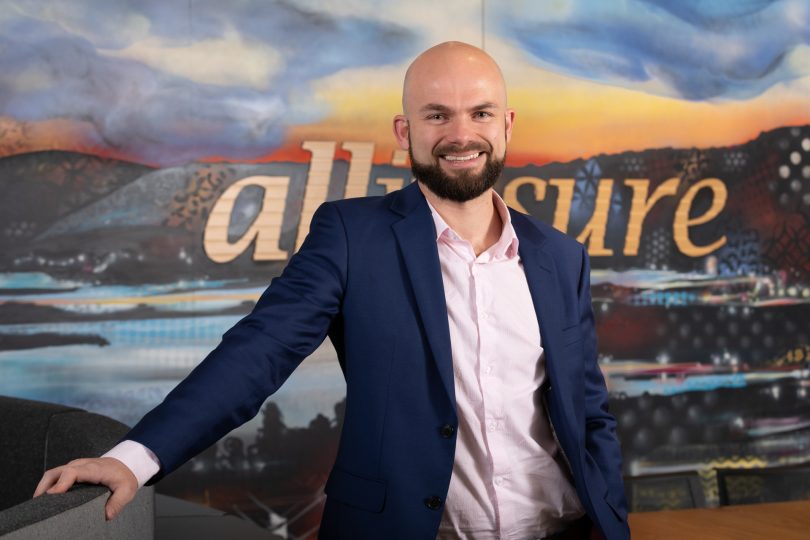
476,221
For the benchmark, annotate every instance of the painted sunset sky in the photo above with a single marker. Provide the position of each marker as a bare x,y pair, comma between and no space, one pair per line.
166,83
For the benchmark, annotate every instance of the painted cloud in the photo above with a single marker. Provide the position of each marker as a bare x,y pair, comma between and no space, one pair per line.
692,49
174,81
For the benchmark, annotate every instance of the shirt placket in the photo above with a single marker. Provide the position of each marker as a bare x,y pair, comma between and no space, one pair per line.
491,380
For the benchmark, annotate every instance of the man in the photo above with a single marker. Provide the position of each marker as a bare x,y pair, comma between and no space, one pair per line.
475,406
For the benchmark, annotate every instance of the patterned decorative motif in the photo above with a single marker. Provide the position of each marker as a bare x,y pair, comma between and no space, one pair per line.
734,161
790,247
657,248
633,166
587,183
741,254
190,208
12,136
798,356
692,167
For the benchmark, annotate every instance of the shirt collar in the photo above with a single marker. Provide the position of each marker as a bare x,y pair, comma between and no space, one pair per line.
507,245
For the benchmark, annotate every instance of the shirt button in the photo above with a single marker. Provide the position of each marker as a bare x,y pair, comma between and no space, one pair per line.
484,315
498,481
488,370
447,431
493,426
433,502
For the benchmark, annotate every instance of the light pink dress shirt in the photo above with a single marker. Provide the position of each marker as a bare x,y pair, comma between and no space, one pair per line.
143,463
509,480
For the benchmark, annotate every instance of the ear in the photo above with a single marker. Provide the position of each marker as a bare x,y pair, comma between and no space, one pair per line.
510,120
401,130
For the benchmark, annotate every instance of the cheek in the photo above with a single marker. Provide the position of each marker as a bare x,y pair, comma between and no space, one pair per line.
498,141
422,147
496,135
421,152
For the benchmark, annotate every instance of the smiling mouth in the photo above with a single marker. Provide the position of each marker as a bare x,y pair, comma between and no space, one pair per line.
468,157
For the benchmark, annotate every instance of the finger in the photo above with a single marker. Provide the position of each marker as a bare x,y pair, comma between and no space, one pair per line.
48,479
118,500
66,479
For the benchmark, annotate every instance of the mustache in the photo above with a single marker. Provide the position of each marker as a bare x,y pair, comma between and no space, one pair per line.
457,149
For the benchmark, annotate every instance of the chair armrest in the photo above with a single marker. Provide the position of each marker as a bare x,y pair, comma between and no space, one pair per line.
79,513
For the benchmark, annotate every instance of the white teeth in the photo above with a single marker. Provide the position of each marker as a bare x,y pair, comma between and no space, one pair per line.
462,158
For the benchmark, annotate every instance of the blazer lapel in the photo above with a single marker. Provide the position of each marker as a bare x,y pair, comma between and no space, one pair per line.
416,236
541,275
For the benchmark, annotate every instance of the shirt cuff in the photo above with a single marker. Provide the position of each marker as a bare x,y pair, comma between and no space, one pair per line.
143,463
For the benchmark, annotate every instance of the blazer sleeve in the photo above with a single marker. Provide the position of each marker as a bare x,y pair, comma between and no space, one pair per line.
255,357
601,441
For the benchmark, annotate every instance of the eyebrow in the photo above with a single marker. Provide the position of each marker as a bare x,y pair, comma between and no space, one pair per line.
437,107
485,105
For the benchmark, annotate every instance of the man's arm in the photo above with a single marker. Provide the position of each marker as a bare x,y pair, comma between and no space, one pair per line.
255,357
600,426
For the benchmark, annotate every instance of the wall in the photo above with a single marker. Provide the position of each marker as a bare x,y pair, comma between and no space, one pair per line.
159,163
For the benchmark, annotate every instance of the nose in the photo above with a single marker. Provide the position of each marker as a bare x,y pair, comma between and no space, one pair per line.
459,131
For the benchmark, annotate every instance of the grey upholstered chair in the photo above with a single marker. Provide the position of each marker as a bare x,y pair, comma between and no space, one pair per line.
36,436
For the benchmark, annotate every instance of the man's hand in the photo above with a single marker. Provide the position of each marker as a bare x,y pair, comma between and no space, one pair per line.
105,471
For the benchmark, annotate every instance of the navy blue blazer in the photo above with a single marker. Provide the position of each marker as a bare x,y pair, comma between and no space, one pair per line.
368,276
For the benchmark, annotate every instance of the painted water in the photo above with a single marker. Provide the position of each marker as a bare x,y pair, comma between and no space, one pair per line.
121,367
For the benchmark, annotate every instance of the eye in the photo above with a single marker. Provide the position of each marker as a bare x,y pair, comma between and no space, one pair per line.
436,116
482,115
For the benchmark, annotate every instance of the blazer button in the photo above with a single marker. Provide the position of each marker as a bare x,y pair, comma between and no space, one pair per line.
447,431
434,503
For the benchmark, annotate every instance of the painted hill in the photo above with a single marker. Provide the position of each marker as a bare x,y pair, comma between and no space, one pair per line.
83,217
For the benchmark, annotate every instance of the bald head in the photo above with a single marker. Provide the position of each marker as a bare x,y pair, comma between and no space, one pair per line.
454,123
450,65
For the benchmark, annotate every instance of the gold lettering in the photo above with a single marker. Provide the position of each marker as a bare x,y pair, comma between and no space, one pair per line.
511,189
565,195
398,159
391,184
594,231
359,168
320,171
682,222
641,206
265,229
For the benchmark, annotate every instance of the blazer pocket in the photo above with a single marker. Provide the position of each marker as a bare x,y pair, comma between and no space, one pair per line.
356,491
571,334
600,487
609,499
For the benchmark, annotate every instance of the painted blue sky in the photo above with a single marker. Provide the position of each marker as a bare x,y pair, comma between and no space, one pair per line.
172,81
692,49
186,78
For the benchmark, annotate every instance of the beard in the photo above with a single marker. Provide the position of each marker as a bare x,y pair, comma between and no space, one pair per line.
464,185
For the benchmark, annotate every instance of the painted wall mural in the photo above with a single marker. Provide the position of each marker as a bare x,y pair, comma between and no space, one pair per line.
160,162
